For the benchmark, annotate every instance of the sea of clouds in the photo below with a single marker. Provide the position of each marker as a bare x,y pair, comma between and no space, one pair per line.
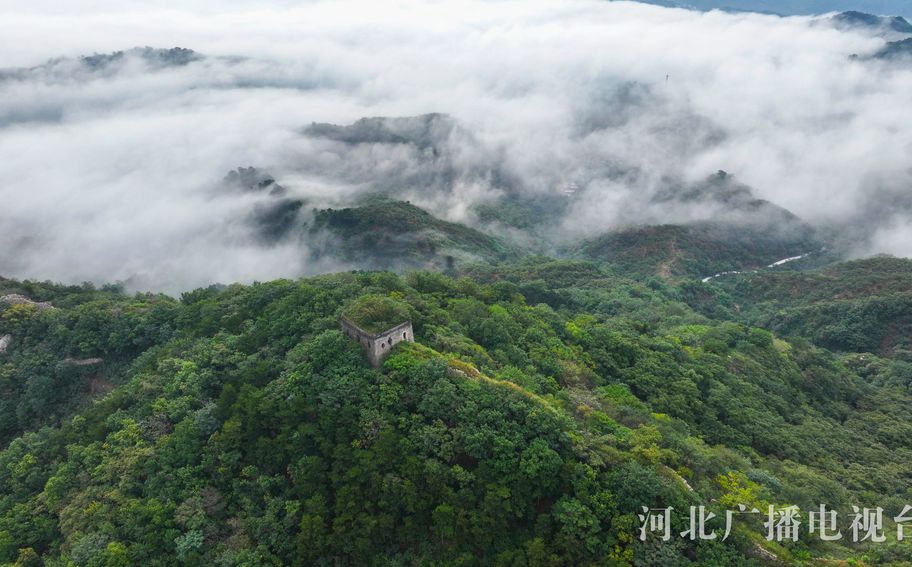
116,174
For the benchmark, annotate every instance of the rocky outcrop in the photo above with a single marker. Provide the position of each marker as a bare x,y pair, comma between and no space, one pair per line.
16,299
764,555
456,373
5,341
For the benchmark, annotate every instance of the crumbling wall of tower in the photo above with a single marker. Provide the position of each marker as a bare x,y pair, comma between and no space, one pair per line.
377,345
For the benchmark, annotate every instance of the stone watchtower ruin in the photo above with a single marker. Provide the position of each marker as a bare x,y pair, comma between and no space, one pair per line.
377,345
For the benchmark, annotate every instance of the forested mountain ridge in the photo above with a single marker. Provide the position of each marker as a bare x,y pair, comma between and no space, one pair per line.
859,306
384,233
544,402
694,250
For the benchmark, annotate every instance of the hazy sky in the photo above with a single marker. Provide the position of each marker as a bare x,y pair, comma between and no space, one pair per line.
115,175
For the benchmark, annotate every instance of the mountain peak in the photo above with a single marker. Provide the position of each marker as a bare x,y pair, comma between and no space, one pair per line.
854,18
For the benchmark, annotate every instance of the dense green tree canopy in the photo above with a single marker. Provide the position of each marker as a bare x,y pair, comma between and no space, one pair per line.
543,405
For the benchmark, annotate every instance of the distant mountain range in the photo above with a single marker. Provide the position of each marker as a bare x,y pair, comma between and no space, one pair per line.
852,19
795,7
87,66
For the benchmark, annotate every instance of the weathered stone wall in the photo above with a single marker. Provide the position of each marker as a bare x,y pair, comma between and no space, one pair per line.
378,345
16,299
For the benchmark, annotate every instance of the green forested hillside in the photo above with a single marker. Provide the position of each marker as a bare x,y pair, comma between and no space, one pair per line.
694,250
542,405
383,234
859,306
725,228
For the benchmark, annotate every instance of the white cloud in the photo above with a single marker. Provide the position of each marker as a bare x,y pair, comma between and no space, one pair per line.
112,177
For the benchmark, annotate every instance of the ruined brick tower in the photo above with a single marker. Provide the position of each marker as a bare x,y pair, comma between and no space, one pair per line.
377,345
